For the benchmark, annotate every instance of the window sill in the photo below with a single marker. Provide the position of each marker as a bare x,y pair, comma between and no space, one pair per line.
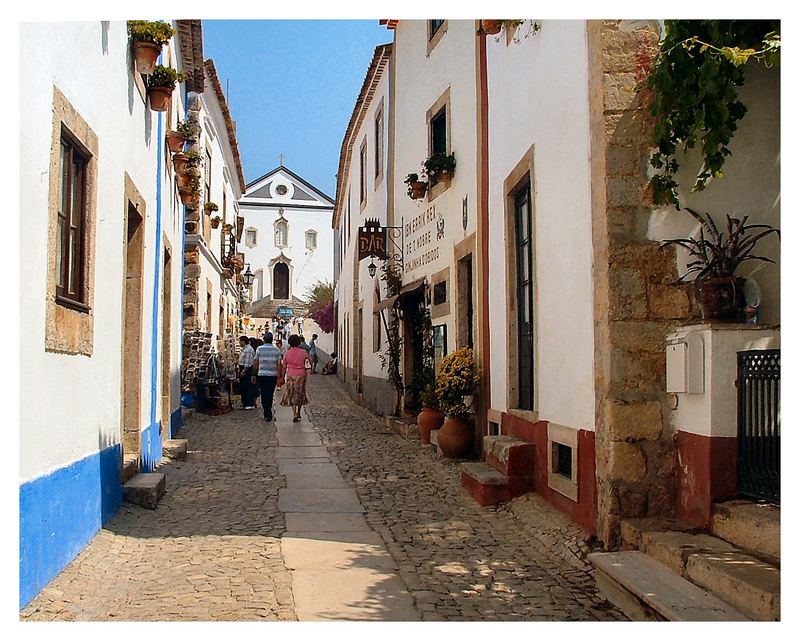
532,416
73,304
438,189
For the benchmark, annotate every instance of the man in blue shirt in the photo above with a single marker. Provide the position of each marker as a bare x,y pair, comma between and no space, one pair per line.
267,367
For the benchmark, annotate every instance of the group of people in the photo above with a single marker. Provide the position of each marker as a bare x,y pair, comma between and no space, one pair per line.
265,367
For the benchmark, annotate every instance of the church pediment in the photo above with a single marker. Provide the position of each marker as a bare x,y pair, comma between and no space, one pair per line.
283,188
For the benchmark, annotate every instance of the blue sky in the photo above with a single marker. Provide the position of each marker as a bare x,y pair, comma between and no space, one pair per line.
292,85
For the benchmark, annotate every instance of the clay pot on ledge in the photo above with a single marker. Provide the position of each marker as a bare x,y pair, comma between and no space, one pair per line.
456,437
182,180
215,222
175,141
146,55
180,161
188,197
427,421
160,98
721,298
416,190
492,27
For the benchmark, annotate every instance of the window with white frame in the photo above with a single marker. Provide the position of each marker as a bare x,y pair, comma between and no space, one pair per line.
250,237
311,239
281,233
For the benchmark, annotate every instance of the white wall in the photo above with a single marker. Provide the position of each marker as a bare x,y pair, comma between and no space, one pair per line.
81,409
538,95
751,186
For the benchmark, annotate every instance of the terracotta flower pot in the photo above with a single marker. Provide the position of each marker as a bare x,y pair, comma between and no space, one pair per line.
417,190
456,437
427,421
188,197
146,55
160,98
215,223
182,180
492,27
175,141
180,162
721,298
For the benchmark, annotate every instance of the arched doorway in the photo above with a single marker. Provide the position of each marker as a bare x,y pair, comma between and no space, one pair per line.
280,281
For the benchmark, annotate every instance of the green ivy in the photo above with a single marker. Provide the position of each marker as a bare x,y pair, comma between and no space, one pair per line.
694,99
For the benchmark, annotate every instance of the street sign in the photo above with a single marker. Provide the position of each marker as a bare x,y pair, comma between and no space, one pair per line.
372,240
285,311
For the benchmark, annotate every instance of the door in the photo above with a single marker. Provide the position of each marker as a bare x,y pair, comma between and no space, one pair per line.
525,298
280,281
166,345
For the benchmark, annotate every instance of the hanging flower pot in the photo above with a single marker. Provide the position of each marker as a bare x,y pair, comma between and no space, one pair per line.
215,222
189,197
456,436
492,27
182,180
427,421
416,187
148,38
160,98
145,54
180,161
175,141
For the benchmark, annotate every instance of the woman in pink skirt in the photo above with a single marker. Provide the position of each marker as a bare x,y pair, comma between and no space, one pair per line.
294,361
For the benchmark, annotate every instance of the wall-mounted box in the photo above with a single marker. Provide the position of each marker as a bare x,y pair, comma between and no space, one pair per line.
685,362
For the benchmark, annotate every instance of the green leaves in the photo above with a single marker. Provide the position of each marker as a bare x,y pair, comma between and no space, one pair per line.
694,80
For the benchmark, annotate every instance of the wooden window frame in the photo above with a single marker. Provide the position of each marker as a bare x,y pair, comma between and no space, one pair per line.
441,106
380,142
315,236
434,37
362,173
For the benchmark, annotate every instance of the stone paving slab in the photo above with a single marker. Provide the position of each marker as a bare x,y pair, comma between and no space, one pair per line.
358,594
305,466
306,481
329,550
307,451
299,439
318,500
297,522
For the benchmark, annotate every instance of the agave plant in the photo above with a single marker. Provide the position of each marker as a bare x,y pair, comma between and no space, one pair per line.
719,253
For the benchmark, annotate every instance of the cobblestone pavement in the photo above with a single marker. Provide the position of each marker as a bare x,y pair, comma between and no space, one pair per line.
210,551
212,548
460,561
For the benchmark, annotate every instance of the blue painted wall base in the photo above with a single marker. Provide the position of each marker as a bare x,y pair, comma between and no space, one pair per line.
61,512
151,447
175,422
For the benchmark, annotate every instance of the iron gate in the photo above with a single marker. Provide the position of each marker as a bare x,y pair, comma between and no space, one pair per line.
759,424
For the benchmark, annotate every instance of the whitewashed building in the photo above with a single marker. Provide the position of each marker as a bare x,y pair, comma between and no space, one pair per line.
212,277
99,307
287,239
362,194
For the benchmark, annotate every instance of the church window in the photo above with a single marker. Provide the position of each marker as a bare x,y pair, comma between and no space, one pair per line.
250,237
281,233
311,239
281,190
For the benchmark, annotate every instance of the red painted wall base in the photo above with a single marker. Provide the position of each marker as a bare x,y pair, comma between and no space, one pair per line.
584,510
706,474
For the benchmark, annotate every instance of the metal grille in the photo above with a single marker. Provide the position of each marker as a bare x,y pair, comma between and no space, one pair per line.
759,442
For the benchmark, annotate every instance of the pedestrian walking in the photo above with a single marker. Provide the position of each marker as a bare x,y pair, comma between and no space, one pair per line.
312,352
296,362
246,390
305,345
267,369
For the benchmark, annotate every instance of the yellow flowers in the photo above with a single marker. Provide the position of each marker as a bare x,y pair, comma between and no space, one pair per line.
458,378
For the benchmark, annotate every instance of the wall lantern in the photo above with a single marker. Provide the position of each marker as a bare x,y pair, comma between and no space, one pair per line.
248,277
371,268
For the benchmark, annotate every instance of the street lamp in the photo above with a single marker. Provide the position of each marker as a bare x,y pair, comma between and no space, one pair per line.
371,268
248,277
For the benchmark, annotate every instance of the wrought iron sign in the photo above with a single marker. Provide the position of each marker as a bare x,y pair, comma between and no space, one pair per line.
381,242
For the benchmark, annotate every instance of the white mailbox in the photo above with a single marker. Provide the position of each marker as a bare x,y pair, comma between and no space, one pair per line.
685,362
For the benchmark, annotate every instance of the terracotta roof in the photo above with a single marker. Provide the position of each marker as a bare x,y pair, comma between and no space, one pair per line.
373,76
230,123
190,39
389,24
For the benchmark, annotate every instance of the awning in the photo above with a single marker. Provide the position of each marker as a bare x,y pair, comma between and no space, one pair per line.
406,290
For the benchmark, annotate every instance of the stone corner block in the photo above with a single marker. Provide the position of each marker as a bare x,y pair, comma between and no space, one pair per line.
627,462
633,421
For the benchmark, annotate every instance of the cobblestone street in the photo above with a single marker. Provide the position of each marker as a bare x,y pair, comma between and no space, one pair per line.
213,548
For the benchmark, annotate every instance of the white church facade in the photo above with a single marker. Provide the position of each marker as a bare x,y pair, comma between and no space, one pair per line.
287,240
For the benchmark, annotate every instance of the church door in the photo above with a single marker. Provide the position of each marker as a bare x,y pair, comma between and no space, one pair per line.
280,281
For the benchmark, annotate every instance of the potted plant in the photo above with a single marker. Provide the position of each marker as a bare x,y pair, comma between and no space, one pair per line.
456,385
716,255
180,161
187,129
183,179
416,187
492,27
209,207
189,196
430,417
215,222
160,85
440,167
148,38
227,228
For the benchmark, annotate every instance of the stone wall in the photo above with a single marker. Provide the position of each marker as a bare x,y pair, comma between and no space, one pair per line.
635,299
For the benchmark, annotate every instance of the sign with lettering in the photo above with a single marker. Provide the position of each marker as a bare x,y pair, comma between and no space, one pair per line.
421,246
372,240
285,311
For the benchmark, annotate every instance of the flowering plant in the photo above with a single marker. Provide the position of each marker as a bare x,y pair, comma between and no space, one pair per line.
458,378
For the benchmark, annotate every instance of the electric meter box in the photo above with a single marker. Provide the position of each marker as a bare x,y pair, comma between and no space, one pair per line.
685,362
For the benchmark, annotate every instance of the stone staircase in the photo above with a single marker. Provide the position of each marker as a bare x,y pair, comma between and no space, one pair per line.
670,571
505,472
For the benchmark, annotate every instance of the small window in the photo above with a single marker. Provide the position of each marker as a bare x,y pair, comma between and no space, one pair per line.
439,132
311,240
250,237
378,144
281,190
376,324
208,175
433,27
439,345
440,293
562,460
71,224
281,233
363,176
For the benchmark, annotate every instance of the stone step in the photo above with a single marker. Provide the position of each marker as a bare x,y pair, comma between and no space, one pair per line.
631,530
646,590
673,549
145,489
509,455
755,527
403,426
130,466
486,485
747,583
175,448
186,414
